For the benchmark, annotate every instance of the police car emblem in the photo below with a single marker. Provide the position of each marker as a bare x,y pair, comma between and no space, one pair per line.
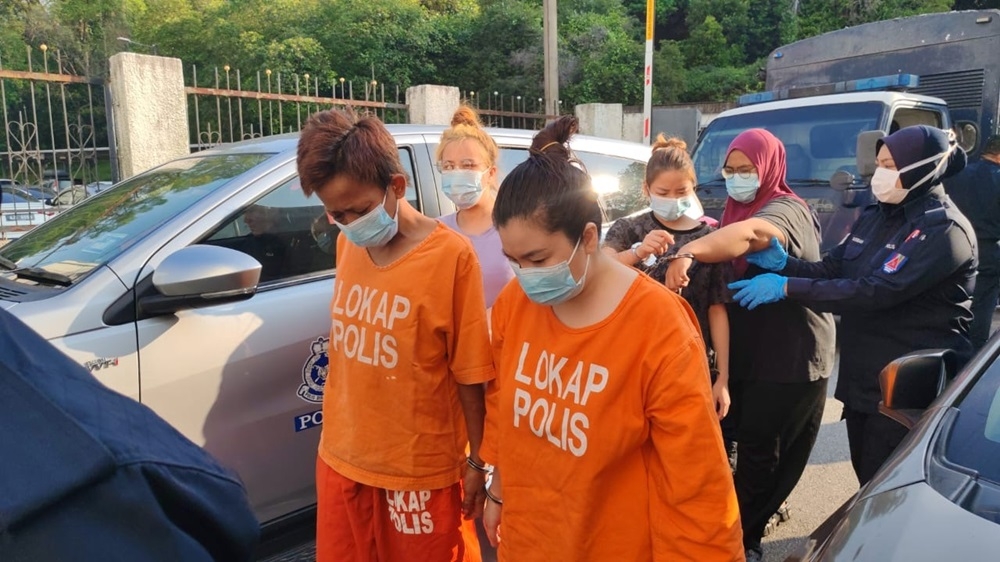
314,372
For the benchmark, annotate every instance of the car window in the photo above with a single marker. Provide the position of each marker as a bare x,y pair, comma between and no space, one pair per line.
618,181
974,440
96,230
288,233
12,199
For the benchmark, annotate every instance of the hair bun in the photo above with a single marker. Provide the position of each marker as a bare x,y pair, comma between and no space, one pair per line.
556,134
465,115
669,143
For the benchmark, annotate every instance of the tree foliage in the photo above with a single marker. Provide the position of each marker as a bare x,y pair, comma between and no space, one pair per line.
706,50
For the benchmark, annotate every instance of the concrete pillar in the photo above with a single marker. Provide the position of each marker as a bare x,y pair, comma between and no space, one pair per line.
432,105
600,119
632,125
150,111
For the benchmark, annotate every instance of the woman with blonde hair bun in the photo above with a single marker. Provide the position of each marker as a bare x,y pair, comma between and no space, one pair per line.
467,159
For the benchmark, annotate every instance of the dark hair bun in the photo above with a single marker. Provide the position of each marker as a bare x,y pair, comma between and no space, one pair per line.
553,138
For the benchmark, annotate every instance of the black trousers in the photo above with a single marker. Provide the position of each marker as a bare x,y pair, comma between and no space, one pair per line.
777,427
872,438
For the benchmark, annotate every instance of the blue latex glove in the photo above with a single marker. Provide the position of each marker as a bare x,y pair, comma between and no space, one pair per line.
763,289
772,258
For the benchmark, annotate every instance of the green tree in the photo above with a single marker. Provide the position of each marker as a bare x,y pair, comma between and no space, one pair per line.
707,45
669,74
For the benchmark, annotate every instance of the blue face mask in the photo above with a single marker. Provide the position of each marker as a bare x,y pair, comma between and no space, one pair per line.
375,228
463,187
553,284
742,189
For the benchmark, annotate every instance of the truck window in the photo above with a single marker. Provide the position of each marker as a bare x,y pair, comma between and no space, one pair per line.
819,140
910,116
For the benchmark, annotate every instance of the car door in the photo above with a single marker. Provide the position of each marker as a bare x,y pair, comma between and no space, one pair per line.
245,380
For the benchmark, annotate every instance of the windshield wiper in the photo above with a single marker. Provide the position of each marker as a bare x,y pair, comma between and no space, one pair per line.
7,264
44,275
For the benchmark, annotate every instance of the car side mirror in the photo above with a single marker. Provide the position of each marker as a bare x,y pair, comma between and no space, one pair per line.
866,152
912,382
199,276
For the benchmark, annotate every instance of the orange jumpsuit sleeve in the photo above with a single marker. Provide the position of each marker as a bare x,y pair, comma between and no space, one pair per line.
693,510
470,357
490,446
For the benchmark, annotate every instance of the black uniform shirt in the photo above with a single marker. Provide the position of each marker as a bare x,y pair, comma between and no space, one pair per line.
901,281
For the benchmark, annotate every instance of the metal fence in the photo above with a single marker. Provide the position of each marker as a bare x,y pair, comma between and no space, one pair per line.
229,106
57,129
509,111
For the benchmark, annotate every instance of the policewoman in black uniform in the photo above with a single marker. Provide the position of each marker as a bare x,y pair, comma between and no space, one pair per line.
902,280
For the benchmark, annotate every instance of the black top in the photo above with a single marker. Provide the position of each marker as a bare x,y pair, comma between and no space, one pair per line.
88,474
708,281
783,342
976,191
901,281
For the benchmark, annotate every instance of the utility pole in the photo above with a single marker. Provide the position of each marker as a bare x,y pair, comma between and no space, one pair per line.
551,56
647,96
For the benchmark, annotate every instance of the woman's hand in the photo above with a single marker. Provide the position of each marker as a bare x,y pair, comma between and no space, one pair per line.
655,243
473,489
677,273
491,522
720,397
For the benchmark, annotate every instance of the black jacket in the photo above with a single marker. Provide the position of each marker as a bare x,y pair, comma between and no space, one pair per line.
87,474
901,281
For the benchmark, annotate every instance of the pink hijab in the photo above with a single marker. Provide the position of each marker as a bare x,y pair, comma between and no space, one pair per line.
767,154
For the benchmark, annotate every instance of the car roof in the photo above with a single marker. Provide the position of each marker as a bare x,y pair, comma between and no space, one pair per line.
518,137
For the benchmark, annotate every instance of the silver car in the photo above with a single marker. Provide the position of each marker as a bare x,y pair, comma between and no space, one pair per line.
201,288
938,496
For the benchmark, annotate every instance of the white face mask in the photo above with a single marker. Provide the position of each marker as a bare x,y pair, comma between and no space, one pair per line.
670,209
884,180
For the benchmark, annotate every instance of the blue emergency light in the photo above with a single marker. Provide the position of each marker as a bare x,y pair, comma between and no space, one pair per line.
877,83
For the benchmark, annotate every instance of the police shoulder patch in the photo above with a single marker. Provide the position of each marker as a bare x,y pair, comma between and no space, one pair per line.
894,263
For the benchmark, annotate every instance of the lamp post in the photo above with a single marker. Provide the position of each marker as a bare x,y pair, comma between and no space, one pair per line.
647,95
131,42
551,56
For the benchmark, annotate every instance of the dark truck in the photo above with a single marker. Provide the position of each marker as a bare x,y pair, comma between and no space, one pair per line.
822,92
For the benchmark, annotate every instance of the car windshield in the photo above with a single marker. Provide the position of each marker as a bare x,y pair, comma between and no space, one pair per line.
974,439
89,234
817,143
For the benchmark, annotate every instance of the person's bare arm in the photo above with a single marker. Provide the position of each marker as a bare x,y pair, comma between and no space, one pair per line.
727,243
472,398
718,326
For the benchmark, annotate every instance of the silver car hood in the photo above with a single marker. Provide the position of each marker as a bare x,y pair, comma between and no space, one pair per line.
911,523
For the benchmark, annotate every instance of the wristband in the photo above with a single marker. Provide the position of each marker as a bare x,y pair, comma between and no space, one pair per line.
491,497
484,468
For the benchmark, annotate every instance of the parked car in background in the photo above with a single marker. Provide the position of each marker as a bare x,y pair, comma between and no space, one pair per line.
68,197
20,212
148,285
93,188
937,497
